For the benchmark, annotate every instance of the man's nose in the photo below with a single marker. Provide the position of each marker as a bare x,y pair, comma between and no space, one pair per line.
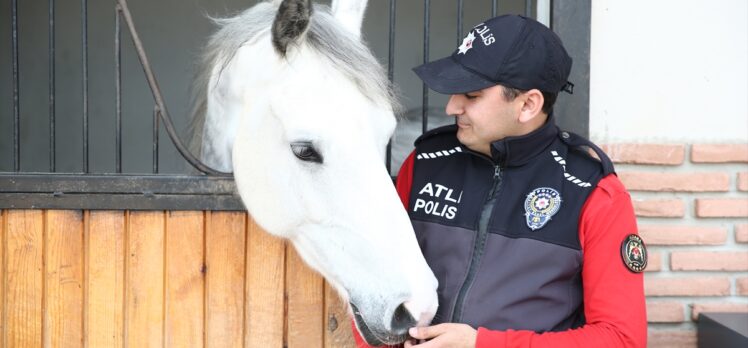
454,106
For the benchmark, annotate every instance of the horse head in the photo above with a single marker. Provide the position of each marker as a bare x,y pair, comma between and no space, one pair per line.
301,111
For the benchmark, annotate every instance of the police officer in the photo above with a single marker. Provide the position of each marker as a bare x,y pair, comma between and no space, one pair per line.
533,240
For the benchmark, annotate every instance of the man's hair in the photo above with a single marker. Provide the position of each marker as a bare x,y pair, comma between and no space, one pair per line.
548,98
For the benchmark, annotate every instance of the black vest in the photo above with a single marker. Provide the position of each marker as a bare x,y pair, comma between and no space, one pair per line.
501,233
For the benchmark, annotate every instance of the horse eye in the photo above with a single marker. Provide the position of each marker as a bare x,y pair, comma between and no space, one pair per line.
305,151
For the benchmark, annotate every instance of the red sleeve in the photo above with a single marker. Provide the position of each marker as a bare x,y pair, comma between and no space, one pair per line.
405,180
403,183
614,304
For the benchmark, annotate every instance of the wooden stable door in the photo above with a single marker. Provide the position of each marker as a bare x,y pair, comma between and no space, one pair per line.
158,279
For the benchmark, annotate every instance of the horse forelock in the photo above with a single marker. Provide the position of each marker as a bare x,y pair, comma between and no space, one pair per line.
352,57
342,50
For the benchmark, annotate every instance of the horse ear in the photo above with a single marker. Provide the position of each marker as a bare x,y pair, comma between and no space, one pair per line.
290,23
350,13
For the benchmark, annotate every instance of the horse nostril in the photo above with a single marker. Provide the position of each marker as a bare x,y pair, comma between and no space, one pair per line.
402,320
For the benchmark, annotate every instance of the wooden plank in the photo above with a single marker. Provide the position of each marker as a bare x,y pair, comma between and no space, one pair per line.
305,291
23,287
224,257
184,312
144,272
338,332
63,279
264,316
105,279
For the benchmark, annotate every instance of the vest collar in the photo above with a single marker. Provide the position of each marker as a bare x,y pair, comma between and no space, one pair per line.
516,151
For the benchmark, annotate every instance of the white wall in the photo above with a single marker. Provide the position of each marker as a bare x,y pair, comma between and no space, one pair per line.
669,71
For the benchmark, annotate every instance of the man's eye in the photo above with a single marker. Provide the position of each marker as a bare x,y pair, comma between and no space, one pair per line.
469,96
305,151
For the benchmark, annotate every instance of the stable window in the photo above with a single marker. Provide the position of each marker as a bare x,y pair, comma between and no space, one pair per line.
83,125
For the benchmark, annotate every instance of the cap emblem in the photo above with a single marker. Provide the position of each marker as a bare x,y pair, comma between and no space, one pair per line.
540,205
634,253
467,43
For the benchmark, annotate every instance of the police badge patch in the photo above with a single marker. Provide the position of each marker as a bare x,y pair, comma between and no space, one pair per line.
540,205
634,253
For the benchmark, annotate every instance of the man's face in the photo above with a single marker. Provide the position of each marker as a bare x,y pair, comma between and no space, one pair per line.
484,116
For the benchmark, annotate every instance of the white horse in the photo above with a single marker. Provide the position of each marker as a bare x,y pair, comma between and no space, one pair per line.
296,105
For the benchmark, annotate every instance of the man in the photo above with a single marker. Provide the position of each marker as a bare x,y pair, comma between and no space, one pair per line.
534,242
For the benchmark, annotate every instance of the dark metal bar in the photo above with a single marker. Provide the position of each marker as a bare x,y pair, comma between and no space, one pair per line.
391,69
118,88
84,62
16,106
97,191
571,21
115,183
388,161
143,201
391,52
52,86
156,114
158,98
494,8
426,33
528,9
460,16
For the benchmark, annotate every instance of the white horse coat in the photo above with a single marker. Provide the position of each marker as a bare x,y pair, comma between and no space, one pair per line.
301,111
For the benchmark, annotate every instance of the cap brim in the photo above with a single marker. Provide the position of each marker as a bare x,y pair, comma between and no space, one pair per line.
446,76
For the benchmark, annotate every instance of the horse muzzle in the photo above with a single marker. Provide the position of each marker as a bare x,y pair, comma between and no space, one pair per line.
400,321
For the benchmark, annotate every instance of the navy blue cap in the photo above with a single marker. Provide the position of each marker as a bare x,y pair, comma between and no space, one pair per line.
510,50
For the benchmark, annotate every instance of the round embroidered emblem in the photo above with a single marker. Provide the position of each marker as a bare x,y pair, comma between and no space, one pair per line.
540,205
634,253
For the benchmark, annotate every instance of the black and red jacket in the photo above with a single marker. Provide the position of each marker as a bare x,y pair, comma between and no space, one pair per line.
526,244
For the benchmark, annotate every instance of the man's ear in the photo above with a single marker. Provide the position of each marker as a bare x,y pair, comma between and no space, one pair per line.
532,105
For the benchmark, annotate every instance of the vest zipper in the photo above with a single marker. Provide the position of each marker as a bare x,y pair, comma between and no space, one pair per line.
478,246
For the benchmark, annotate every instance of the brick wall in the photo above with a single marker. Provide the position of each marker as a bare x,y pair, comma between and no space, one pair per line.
691,201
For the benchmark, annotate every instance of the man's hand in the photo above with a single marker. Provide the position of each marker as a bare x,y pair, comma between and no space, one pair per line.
443,335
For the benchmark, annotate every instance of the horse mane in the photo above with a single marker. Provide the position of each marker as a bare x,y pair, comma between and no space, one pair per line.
348,54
